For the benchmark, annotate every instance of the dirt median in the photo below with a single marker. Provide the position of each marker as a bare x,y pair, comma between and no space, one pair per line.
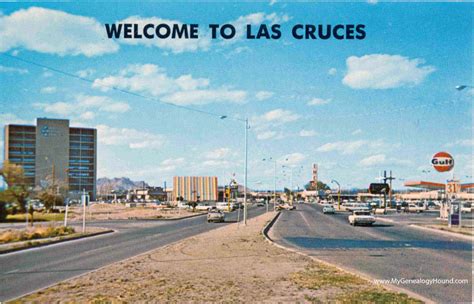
230,264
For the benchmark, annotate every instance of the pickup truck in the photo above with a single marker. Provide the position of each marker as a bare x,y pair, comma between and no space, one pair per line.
361,218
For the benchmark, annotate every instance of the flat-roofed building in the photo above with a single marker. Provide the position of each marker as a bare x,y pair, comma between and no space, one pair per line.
52,149
194,188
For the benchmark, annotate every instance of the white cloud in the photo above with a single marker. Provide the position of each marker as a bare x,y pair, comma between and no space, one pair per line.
170,164
382,159
9,118
216,163
54,32
382,71
272,2
134,139
293,159
262,95
184,90
308,133
220,153
318,102
332,71
372,1
86,73
84,106
462,143
350,147
48,90
168,44
373,160
264,135
201,97
279,116
5,69
356,132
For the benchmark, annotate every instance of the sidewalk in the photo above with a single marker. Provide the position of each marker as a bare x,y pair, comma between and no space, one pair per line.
229,264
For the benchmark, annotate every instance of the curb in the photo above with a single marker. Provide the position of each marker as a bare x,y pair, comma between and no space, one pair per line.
165,219
364,276
56,241
443,232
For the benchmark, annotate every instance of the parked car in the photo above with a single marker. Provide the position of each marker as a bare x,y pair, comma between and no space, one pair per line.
260,204
216,216
414,208
361,218
329,209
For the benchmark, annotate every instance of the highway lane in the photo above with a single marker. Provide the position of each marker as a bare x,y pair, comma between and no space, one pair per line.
26,271
384,251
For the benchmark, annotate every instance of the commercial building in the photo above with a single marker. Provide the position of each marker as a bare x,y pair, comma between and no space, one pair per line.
52,150
195,188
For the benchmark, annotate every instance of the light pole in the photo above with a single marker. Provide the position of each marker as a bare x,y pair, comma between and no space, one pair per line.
338,193
246,121
274,180
463,86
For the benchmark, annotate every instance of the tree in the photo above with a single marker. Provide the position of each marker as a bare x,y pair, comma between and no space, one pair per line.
52,193
319,186
17,191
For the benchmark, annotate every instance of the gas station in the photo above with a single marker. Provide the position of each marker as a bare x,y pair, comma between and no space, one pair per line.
449,193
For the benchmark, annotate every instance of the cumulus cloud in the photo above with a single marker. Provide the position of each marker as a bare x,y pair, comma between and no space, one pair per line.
356,132
308,133
293,159
373,160
86,73
279,116
48,90
84,106
220,153
350,147
133,138
183,90
262,95
263,135
332,71
54,32
318,102
382,71
174,45
5,69
382,159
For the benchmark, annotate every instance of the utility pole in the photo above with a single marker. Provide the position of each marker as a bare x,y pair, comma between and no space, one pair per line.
385,179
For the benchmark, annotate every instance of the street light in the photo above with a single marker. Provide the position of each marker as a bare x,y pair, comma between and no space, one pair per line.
338,193
463,86
246,121
274,180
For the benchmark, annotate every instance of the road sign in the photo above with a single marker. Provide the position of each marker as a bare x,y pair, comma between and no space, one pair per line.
379,188
442,162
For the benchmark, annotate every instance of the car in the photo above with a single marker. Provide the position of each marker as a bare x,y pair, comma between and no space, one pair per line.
361,218
260,204
329,209
215,216
414,208
286,206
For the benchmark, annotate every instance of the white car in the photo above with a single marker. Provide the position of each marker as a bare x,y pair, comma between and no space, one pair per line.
361,218
414,208
329,209
215,215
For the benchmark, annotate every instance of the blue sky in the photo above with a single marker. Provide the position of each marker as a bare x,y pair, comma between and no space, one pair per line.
355,107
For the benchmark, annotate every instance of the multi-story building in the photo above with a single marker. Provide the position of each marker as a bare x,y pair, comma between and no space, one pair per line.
195,188
52,150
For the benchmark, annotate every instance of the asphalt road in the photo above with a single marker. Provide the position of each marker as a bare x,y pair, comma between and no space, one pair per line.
384,251
26,271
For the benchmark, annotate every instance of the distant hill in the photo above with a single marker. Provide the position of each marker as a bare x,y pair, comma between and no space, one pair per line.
105,185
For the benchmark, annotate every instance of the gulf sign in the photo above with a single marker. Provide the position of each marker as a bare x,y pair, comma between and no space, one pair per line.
442,162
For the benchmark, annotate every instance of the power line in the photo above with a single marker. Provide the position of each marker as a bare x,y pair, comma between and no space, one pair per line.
113,88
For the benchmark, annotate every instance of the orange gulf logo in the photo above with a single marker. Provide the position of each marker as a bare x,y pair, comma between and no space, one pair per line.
442,162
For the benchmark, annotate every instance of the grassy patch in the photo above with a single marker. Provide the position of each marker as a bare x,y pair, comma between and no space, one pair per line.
462,230
37,216
376,296
316,276
10,236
